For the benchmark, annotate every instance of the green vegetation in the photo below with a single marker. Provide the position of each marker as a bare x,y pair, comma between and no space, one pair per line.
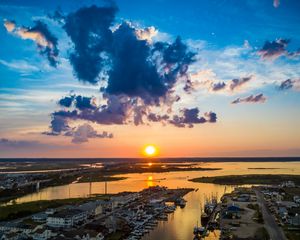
248,179
15,211
252,206
42,165
258,217
292,235
262,234
155,168
290,193
115,236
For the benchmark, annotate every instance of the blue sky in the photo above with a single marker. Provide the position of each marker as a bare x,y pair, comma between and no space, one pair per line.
229,85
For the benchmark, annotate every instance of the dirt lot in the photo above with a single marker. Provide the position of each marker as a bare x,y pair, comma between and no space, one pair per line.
246,226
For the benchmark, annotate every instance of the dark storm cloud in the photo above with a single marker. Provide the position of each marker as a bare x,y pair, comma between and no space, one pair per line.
175,60
131,65
236,83
122,110
259,98
89,30
82,103
137,73
218,86
66,101
115,111
66,114
191,116
132,73
45,40
119,109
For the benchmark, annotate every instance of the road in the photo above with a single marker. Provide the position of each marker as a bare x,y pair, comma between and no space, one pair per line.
273,229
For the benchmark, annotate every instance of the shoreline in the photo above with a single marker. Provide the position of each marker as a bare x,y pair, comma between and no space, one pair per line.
265,179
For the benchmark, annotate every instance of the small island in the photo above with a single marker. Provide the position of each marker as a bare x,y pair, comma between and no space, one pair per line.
268,179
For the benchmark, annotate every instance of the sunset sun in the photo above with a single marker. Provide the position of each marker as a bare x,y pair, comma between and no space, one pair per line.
150,150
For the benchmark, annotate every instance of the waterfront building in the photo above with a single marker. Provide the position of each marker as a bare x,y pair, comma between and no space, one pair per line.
18,227
123,198
92,209
40,217
66,218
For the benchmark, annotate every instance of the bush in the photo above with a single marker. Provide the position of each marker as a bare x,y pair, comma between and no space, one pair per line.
262,234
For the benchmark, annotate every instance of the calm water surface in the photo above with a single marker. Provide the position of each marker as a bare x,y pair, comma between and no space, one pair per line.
180,223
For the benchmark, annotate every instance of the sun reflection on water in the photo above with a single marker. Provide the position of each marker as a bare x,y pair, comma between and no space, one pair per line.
150,181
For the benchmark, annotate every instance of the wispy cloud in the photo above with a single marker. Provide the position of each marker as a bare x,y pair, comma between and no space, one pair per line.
20,65
18,144
216,67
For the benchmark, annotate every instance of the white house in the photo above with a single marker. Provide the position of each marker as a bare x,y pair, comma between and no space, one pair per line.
66,218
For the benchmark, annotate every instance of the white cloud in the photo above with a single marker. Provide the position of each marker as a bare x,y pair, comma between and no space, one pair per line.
146,33
10,26
222,65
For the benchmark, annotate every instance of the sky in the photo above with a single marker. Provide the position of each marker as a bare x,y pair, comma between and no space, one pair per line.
196,78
